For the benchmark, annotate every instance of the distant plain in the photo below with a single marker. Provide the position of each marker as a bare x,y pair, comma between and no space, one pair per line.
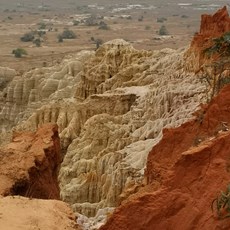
102,20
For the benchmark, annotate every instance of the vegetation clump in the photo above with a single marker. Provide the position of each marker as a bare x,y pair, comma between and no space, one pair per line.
161,20
37,42
19,52
27,37
221,46
221,204
41,26
67,34
163,30
216,74
98,42
103,26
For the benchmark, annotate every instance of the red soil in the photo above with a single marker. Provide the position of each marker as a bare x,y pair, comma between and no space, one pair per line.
29,164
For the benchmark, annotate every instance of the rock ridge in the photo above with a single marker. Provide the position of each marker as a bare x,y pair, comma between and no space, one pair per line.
212,26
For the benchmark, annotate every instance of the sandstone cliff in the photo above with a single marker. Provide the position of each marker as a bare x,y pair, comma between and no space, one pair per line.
211,27
185,172
29,164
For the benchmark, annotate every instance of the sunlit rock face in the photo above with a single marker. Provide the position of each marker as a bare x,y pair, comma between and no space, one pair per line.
110,107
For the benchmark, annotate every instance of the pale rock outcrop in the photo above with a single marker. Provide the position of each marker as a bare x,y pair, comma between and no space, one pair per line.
109,115
6,75
36,87
105,163
113,64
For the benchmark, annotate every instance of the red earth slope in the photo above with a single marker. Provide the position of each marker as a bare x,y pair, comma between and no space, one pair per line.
185,173
29,164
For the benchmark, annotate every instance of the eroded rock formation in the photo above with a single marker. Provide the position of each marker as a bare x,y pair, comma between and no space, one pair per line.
109,115
185,172
6,75
105,163
22,213
212,26
37,87
29,164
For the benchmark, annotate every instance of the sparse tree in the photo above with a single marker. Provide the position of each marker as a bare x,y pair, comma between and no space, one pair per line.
98,42
163,30
216,74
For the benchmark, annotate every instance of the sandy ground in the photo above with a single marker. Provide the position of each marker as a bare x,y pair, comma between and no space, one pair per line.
19,213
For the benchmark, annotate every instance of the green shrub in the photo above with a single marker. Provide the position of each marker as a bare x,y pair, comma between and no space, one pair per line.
27,37
37,42
67,34
103,26
19,52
